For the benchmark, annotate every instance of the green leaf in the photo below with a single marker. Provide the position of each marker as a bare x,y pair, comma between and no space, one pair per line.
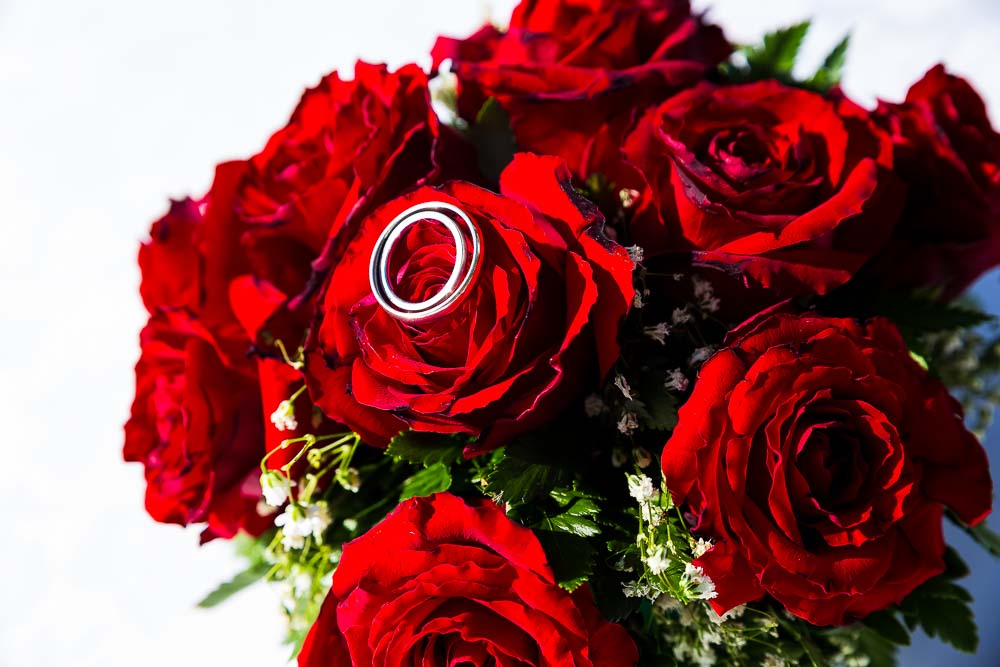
942,609
981,533
571,557
830,72
953,622
494,140
426,448
887,625
528,470
921,314
880,651
563,535
776,56
227,589
916,314
954,566
432,479
579,515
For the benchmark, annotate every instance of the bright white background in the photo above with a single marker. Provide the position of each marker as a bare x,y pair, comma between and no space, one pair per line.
106,109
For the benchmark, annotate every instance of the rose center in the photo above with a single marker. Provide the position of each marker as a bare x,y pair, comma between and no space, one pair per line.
414,272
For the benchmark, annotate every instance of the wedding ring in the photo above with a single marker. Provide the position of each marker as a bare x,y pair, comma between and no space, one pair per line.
468,254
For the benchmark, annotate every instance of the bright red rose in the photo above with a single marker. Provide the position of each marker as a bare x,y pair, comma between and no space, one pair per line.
349,146
443,582
819,456
543,310
197,424
570,74
791,188
949,156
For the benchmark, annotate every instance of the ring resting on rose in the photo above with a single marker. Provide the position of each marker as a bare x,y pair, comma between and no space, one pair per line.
468,256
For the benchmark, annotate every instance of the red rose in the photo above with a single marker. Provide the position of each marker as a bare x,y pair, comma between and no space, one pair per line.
544,308
790,187
819,456
348,146
442,582
196,423
949,156
571,73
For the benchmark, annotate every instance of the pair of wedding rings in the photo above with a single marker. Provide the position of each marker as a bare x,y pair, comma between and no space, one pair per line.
468,256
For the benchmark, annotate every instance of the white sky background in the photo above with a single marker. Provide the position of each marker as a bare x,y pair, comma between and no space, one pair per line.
106,109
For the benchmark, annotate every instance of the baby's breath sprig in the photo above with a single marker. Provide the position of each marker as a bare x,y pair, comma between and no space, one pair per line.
665,548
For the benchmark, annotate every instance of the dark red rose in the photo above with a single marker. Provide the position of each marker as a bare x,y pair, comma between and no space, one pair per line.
949,156
197,424
570,74
443,582
819,456
544,309
791,188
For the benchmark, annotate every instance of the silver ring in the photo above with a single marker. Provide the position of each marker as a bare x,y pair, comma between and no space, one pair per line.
467,261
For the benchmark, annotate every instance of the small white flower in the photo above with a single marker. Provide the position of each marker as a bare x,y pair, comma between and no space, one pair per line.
284,417
710,637
318,516
635,253
676,380
628,423
701,547
349,479
658,561
699,585
652,514
594,406
628,197
302,582
290,542
635,589
298,522
623,387
639,300
774,660
701,355
295,526
275,487
658,333
682,648
705,657
641,488
705,295
702,288
681,316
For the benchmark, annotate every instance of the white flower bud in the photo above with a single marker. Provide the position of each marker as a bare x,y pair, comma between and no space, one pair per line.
283,417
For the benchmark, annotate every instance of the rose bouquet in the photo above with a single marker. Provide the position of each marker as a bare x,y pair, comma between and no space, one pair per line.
610,343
